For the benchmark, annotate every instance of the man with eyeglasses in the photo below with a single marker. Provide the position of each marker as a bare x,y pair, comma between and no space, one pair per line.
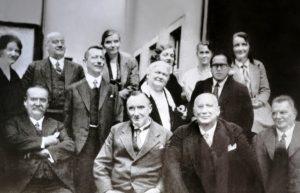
233,97
54,73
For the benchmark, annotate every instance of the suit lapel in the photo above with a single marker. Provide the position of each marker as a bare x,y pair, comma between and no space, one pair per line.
150,142
208,86
238,76
28,126
226,91
48,127
295,144
68,72
270,142
254,76
104,86
84,91
126,138
123,69
46,72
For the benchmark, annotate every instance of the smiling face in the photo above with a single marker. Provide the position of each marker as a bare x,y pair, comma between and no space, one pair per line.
159,75
168,56
240,48
11,53
283,115
56,45
204,55
36,102
95,61
139,109
206,109
112,44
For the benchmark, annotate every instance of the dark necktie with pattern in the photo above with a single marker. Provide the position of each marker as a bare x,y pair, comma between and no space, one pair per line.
216,90
58,68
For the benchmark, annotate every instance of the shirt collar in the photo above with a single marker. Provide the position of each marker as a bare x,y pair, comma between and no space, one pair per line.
54,61
221,83
288,133
40,121
90,79
147,124
210,132
240,64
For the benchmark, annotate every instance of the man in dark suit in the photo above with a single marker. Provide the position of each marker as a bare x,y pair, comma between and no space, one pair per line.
92,107
278,149
40,150
130,161
55,73
210,155
233,97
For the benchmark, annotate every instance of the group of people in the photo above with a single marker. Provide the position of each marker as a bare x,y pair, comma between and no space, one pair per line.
97,127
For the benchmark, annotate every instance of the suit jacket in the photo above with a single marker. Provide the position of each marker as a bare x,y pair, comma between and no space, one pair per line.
191,166
234,101
117,166
129,72
77,111
258,77
39,72
21,136
265,143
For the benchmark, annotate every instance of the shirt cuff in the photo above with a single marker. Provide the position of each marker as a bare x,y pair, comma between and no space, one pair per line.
43,143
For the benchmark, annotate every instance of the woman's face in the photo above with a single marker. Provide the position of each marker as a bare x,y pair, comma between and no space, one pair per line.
112,44
168,56
11,53
204,55
240,48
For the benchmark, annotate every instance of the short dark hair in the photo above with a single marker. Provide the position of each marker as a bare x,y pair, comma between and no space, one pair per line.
108,33
35,86
223,54
7,38
86,53
245,36
285,98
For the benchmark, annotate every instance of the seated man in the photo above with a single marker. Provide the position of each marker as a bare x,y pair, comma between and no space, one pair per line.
40,149
130,161
210,155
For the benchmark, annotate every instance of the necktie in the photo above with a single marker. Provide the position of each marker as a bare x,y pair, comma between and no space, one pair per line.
38,130
206,137
95,83
216,90
278,179
137,142
247,78
57,68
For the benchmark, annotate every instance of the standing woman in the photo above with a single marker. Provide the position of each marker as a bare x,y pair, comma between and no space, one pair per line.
252,74
167,54
11,95
121,69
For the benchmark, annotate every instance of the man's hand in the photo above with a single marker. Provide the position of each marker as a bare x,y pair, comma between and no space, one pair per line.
113,191
153,190
257,103
44,153
51,139
124,93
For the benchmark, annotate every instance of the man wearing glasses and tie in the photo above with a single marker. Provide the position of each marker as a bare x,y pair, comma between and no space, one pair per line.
54,73
130,161
92,106
233,97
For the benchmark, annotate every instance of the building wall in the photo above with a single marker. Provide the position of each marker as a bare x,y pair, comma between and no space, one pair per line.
150,21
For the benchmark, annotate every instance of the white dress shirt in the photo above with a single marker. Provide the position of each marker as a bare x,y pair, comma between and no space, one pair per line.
91,79
209,134
60,61
240,65
114,70
144,132
221,85
288,133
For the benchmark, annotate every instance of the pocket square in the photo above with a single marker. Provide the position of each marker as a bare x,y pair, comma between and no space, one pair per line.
161,147
111,96
231,147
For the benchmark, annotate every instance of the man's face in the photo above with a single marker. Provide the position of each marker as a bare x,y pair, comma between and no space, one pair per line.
56,46
283,115
206,109
112,44
159,76
219,67
95,61
139,109
36,102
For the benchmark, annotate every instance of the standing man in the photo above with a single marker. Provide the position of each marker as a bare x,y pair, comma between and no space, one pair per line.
278,149
233,97
40,150
210,155
92,107
130,161
55,73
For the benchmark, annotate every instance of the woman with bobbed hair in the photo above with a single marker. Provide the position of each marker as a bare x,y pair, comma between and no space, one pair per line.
167,54
121,68
252,74
11,95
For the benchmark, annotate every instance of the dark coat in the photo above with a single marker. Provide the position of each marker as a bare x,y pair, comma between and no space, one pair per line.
22,138
191,166
234,101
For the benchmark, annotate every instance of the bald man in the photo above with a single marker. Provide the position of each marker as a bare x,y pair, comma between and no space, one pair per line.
210,155
54,73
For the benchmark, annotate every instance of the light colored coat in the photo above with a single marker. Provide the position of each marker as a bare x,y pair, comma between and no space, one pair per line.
118,167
